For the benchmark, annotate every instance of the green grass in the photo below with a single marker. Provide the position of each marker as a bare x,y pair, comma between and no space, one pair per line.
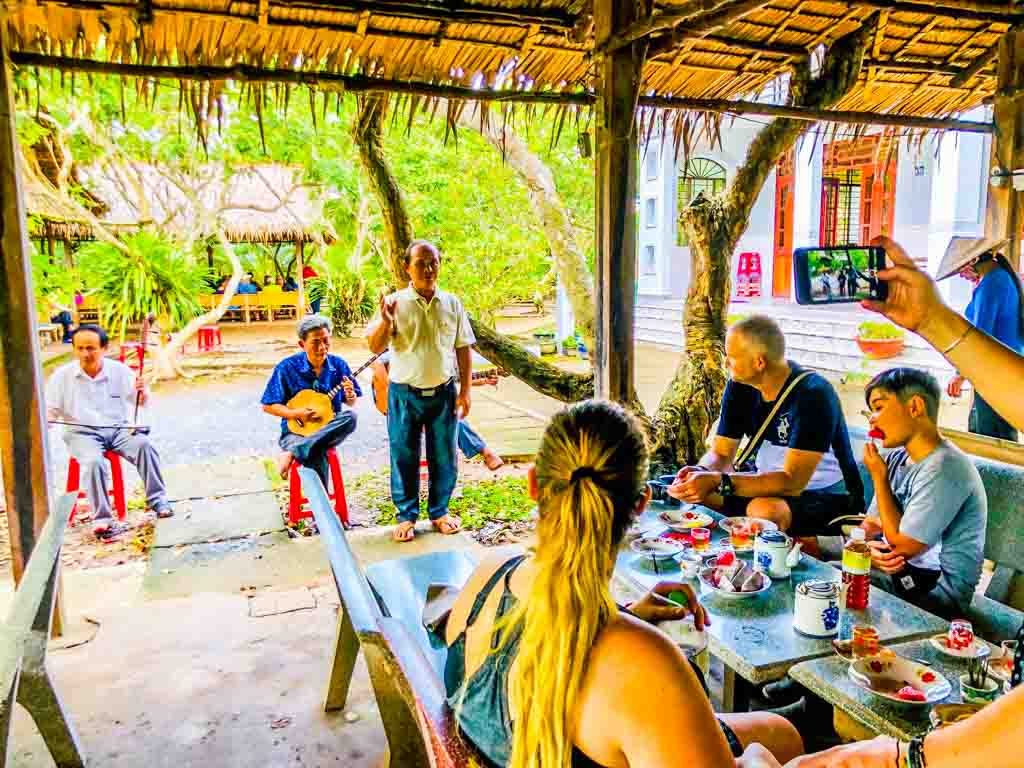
481,502
873,329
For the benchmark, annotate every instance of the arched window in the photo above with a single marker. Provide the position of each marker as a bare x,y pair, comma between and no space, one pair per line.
700,175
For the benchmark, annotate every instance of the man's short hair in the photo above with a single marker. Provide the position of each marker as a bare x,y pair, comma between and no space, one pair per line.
905,383
312,323
102,334
765,333
407,256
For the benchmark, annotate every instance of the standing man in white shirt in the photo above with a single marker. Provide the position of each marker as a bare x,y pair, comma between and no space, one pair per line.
96,394
429,335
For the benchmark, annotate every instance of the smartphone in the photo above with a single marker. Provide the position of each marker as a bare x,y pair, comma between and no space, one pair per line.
838,275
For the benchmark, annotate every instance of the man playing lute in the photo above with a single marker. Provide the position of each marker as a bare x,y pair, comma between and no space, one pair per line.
312,369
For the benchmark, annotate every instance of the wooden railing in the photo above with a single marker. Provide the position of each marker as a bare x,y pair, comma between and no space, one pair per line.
23,640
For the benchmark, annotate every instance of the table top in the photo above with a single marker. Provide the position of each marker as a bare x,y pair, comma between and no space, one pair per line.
755,635
828,678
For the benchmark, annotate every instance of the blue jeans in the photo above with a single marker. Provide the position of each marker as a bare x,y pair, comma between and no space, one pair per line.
411,414
470,443
315,306
312,451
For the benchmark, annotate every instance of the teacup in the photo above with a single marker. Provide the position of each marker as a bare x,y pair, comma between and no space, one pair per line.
668,501
961,635
771,549
975,695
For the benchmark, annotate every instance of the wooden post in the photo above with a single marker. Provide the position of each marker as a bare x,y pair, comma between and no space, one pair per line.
23,450
1005,212
616,169
299,267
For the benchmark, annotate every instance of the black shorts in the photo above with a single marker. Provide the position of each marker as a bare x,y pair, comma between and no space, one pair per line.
811,510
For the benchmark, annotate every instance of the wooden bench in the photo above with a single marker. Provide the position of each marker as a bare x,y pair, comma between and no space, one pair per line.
996,614
420,728
50,333
24,676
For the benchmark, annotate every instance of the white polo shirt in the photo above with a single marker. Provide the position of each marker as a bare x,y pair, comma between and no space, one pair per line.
72,395
426,337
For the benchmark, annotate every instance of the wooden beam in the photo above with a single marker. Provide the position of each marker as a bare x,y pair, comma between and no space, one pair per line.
883,22
976,66
459,13
769,46
916,37
705,23
660,22
968,43
23,433
1004,214
326,80
814,115
921,67
616,183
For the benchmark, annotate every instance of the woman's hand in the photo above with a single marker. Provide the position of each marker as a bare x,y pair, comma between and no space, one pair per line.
955,388
656,606
877,753
913,300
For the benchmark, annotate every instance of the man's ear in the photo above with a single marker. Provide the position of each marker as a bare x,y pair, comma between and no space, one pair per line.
917,407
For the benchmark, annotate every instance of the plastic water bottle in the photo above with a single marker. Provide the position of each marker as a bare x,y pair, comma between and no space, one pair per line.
857,571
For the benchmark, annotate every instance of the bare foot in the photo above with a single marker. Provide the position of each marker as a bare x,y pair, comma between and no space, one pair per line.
404,531
492,460
447,525
284,463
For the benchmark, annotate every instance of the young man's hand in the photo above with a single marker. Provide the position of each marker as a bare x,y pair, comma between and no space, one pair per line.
874,463
884,559
872,527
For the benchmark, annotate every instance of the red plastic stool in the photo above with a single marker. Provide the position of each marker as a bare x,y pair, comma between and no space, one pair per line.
296,500
117,492
209,338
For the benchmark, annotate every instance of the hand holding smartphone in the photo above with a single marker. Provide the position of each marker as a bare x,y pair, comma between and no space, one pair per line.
839,275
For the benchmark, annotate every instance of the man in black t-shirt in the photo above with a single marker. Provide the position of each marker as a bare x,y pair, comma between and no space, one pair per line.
805,473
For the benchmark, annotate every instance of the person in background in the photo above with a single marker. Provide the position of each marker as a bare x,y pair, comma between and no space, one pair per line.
997,308
246,285
267,280
537,647
995,371
308,273
929,506
60,314
222,286
289,284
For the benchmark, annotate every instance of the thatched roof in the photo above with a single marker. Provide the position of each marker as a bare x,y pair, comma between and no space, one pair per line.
719,48
261,204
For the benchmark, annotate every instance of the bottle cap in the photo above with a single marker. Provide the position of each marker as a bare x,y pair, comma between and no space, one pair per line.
857,534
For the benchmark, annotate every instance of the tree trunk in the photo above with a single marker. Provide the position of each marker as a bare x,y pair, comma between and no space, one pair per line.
368,135
714,226
551,212
500,350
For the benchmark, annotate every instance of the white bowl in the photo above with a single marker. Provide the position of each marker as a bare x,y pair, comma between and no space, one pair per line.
685,519
706,584
884,677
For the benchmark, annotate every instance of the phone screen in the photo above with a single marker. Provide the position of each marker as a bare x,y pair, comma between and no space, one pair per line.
834,275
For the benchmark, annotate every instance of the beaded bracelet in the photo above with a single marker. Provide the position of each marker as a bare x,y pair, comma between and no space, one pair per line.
915,754
956,343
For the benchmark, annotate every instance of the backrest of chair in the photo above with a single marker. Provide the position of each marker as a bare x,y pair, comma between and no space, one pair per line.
353,588
401,588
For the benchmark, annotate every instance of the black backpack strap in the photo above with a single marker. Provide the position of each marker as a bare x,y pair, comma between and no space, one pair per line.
483,594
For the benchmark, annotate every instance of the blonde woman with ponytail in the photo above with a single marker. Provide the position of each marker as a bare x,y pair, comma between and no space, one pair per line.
545,671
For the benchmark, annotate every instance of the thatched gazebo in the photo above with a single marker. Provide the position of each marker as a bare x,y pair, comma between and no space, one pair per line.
926,61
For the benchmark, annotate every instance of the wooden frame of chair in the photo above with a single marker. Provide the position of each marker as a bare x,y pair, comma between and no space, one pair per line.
420,728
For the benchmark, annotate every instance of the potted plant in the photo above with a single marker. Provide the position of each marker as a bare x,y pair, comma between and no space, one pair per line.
879,340
569,346
546,340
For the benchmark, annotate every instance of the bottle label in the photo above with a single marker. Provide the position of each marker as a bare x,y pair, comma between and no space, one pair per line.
856,562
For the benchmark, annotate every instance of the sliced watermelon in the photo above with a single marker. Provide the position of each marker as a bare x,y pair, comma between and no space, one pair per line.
876,434
910,693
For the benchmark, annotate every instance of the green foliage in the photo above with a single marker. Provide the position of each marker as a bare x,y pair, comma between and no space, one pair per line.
51,279
151,277
481,502
350,300
873,329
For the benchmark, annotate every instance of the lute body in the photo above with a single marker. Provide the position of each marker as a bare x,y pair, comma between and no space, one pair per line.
319,402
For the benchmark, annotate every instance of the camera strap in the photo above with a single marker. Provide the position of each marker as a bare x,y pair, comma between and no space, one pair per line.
754,443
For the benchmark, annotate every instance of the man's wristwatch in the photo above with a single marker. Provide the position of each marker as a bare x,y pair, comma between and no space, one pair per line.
725,487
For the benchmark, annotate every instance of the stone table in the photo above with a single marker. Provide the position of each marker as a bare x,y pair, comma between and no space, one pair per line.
754,637
828,678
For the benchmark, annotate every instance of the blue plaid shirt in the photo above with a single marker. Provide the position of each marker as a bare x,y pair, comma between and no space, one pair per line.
294,374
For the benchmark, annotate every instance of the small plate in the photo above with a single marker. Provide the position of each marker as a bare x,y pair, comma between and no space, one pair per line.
657,547
756,523
1001,668
979,648
884,677
685,519
709,587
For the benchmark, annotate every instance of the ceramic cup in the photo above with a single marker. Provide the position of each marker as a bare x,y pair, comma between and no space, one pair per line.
657,490
961,635
974,695
816,608
770,551
668,501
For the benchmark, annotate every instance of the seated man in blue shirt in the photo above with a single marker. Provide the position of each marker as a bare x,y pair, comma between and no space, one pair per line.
312,368
929,507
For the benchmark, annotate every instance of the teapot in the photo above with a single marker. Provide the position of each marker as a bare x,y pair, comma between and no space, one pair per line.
776,554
